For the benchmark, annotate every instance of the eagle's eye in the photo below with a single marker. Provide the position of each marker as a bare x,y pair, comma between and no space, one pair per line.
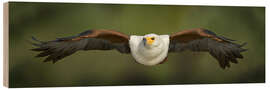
152,38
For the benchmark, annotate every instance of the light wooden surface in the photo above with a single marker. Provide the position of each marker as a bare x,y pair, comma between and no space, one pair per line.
6,43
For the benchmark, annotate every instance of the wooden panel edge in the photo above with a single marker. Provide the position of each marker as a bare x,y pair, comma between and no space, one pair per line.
6,43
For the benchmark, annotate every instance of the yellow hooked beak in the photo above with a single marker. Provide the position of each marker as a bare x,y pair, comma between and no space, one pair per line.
150,40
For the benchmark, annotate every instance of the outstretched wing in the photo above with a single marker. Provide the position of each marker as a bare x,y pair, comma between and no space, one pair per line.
221,48
88,40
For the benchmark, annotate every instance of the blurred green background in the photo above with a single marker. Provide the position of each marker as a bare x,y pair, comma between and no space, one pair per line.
48,21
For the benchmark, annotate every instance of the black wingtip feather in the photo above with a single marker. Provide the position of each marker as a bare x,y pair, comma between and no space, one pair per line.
46,60
243,50
243,44
214,34
54,61
35,44
39,49
226,39
208,32
85,32
35,39
234,61
224,51
229,52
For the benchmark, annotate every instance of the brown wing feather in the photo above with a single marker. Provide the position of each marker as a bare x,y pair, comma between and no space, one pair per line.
193,34
112,36
88,40
221,48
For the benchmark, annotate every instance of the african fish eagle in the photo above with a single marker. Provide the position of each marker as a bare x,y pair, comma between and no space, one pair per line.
150,49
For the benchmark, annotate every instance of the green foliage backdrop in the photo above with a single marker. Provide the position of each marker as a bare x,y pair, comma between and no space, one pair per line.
48,21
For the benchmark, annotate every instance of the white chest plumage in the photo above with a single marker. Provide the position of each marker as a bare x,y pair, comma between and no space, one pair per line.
149,56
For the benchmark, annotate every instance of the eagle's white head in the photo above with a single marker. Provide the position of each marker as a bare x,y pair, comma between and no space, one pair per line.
151,40
150,49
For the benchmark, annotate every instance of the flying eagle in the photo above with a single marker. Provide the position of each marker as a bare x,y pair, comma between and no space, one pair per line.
150,49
